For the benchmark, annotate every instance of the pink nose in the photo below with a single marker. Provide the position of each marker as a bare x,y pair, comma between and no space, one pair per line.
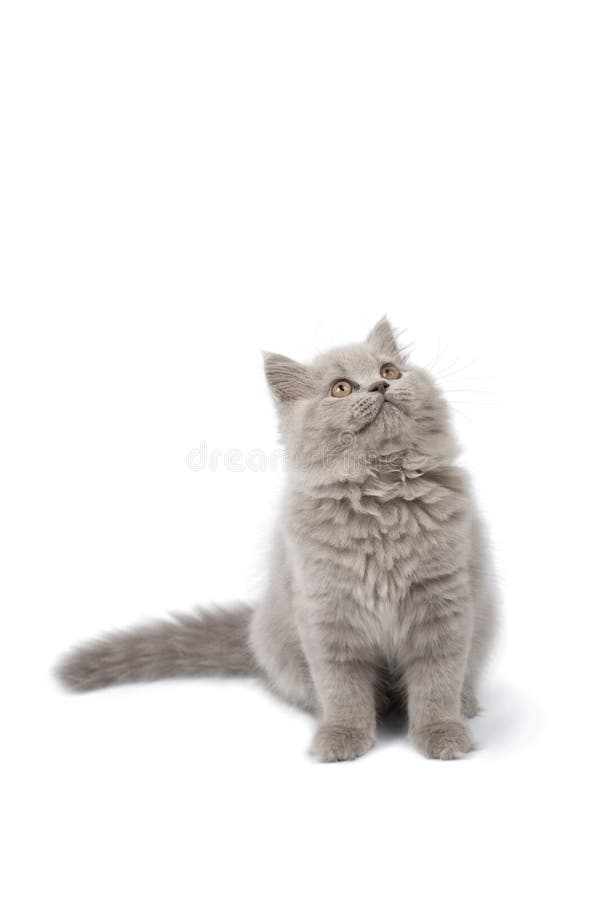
380,386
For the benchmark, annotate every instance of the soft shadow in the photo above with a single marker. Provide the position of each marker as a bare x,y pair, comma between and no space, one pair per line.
510,719
392,725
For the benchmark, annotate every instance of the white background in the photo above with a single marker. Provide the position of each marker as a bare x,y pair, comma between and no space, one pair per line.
184,184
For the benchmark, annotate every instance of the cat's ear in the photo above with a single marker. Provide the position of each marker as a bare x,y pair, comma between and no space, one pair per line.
288,379
383,338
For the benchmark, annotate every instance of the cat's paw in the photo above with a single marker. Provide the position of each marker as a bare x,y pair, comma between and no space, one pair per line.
334,743
469,704
444,740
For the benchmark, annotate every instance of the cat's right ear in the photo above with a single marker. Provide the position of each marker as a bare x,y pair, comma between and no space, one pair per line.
288,379
383,338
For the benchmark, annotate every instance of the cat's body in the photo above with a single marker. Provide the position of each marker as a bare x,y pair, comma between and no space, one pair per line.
379,588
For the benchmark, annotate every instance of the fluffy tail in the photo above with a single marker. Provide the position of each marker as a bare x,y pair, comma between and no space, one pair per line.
208,642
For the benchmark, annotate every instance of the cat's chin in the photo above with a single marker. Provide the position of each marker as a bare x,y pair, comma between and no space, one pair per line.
386,423
395,404
384,412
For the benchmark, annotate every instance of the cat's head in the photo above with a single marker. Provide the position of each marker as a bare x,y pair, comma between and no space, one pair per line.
361,403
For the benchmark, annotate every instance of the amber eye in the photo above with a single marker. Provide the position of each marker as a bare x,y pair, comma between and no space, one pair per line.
390,372
341,389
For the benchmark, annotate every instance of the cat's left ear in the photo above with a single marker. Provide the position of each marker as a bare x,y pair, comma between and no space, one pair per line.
383,338
288,379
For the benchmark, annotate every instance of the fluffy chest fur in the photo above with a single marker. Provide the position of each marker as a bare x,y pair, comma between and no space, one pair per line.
362,556
374,539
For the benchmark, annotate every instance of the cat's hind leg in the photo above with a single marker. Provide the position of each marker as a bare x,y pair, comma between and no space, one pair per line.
485,618
278,652
468,701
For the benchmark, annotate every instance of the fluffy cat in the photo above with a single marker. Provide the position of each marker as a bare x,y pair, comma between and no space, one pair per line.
379,588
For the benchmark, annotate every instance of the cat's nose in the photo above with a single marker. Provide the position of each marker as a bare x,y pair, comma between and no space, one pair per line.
380,386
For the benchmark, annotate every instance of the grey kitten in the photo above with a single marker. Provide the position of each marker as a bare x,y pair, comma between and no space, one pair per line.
379,590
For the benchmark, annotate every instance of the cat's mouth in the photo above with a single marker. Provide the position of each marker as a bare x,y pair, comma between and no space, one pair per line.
384,408
389,400
392,400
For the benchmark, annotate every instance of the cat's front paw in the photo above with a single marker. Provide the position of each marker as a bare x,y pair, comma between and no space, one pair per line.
334,743
444,740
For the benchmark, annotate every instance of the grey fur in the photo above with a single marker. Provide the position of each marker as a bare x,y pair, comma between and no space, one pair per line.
379,588
209,642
